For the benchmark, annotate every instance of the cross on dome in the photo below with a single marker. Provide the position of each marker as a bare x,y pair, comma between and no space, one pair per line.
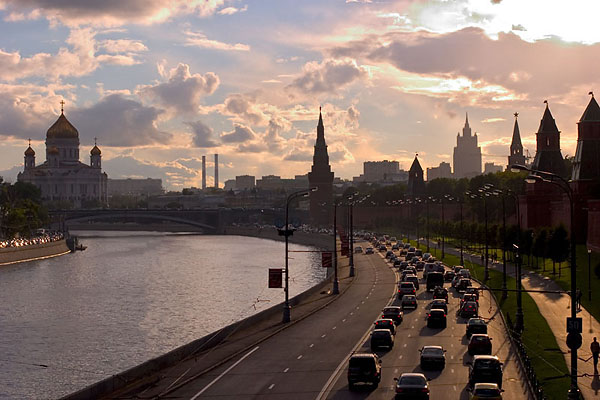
516,114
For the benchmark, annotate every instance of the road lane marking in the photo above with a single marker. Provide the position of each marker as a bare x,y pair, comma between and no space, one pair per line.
344,320
405,344
271,386
400,357
452,370
311,345
224,372
352,313
299,357
323,335
286,370
334,328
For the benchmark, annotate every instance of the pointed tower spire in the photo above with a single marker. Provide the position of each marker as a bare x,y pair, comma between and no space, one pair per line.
548,156
321,177
466,128
466,119
516,147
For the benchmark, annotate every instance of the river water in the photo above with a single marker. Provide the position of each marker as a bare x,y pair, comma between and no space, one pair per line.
69,321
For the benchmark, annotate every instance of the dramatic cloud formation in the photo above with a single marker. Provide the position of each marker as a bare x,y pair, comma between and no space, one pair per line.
197,39
183,90
202,134
240,133
244,109
328,76
117,121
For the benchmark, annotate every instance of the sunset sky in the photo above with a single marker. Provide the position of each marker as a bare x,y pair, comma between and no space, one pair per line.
162,82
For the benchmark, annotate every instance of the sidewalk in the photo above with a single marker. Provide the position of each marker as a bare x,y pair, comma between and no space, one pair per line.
555,308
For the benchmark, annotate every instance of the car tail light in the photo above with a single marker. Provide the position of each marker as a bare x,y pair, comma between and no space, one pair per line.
399,390
425,390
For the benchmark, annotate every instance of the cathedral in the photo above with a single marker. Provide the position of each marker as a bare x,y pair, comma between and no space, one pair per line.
62,178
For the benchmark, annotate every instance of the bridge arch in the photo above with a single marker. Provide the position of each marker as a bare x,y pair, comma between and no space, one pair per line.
104,216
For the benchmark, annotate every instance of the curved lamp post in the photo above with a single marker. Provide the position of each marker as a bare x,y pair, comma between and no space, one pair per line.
287,232
549,177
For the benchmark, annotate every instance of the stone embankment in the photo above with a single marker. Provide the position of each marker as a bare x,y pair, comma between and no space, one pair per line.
11,255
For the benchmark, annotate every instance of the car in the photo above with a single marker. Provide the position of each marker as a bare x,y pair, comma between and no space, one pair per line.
474,291
393,239
449,276
395,246
457,268
434,279
381,338
476,325
463,284
386,323
486,391
436,318
408,301
469,309
485,369
429,267
411,249
414,279
403,265
419,253
426,257
433,357
397,262
468,297
358,249
382,248
440,293
480,343
420,265
389,253
403,252
364,368
439,304
411,385
406,288
369,250
405,272
394,313
465,273
455,281
407,246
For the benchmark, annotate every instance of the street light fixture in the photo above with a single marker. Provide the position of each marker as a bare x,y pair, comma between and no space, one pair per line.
549,177
287,232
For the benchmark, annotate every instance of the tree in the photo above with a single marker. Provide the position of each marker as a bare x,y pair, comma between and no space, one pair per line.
559,246
540,244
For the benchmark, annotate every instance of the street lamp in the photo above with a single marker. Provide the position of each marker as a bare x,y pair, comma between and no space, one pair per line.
351,204
589,274
287,232
549,177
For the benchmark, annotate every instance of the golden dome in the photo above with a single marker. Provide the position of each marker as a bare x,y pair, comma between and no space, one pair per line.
62,129
29,152
95,151
53,150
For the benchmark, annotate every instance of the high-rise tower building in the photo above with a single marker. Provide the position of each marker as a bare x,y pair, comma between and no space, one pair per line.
548,157
516,147
321,177
467,154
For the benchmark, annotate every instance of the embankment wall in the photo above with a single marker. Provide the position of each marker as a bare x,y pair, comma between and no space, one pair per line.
11,255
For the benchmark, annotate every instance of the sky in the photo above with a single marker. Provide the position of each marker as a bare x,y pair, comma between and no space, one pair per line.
160,83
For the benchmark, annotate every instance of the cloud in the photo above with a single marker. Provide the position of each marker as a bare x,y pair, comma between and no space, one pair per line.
198,39
240,133
113,46
183,90
328,76
107,12
300,155
202,134
118,121
232,10
244,108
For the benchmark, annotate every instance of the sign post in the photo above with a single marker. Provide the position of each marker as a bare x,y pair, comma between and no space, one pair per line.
326,259
275,278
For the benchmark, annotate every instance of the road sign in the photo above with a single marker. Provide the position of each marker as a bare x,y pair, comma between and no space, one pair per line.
574,325
275,278
326,259
574,340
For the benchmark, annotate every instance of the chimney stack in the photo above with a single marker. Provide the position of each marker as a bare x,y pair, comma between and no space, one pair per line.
216,171
203,172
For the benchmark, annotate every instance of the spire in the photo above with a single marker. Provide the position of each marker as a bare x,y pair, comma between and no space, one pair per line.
62,106
548,124
592,112
516,137
320,118
320,130
466,119
466,128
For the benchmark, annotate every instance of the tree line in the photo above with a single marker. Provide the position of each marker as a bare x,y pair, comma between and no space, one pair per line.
21,209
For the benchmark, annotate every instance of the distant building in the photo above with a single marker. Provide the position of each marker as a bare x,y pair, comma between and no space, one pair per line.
416,184
516,147
491,168
467,154
135,187
321,177
62,177
381,172
230,185
275,182
441,171
245,182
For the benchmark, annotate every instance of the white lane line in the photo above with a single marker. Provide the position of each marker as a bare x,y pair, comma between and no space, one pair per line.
454,388
400,357
223,373
452,370
311,345
412,327
405,344
334,328
344,320
286,370
271,386
452,357
352,313
299,357
396,371
323,335
451,344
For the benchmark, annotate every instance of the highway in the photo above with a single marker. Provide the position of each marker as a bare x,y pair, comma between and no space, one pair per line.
309,359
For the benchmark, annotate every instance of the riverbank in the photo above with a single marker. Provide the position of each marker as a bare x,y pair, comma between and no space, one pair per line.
12,255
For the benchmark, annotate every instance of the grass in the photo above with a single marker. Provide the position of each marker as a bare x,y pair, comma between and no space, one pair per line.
547,360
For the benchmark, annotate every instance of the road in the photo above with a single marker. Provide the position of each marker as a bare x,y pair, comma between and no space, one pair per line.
309,359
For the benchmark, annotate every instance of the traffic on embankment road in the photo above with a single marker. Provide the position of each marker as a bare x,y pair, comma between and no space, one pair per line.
309,359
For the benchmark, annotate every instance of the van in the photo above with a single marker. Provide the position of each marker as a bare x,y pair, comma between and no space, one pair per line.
434,279
429,267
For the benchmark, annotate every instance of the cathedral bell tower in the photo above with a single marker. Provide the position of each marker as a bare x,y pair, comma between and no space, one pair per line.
29,157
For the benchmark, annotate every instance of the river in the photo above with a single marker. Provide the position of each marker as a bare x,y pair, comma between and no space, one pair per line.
69,321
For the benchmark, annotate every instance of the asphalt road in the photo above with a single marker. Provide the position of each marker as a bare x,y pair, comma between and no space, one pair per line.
309,359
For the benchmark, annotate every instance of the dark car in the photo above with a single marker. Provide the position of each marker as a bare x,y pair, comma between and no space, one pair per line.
408,301
476,325
382,338
440,293
369,250
386,323
486,369
420,265
413,279
412,385
382,248
397,262
434,279
439,304
469,310
406,288
436,318
480,344
403,265
364,368
463,284
389,253
468,297
474,291
394,313
433,357
448,276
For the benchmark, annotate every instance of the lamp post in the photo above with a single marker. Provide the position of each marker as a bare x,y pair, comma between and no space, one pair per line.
350,211
336,282
462,232
427,224
589,274
287,232
443,228
549,177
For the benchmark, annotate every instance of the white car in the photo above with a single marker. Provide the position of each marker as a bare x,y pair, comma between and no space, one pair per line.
358,249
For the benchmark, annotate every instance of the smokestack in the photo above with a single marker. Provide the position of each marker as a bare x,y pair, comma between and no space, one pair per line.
216,171
203,172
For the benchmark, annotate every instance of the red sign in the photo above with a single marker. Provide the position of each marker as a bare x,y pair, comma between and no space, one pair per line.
275,278
345,248
327,259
